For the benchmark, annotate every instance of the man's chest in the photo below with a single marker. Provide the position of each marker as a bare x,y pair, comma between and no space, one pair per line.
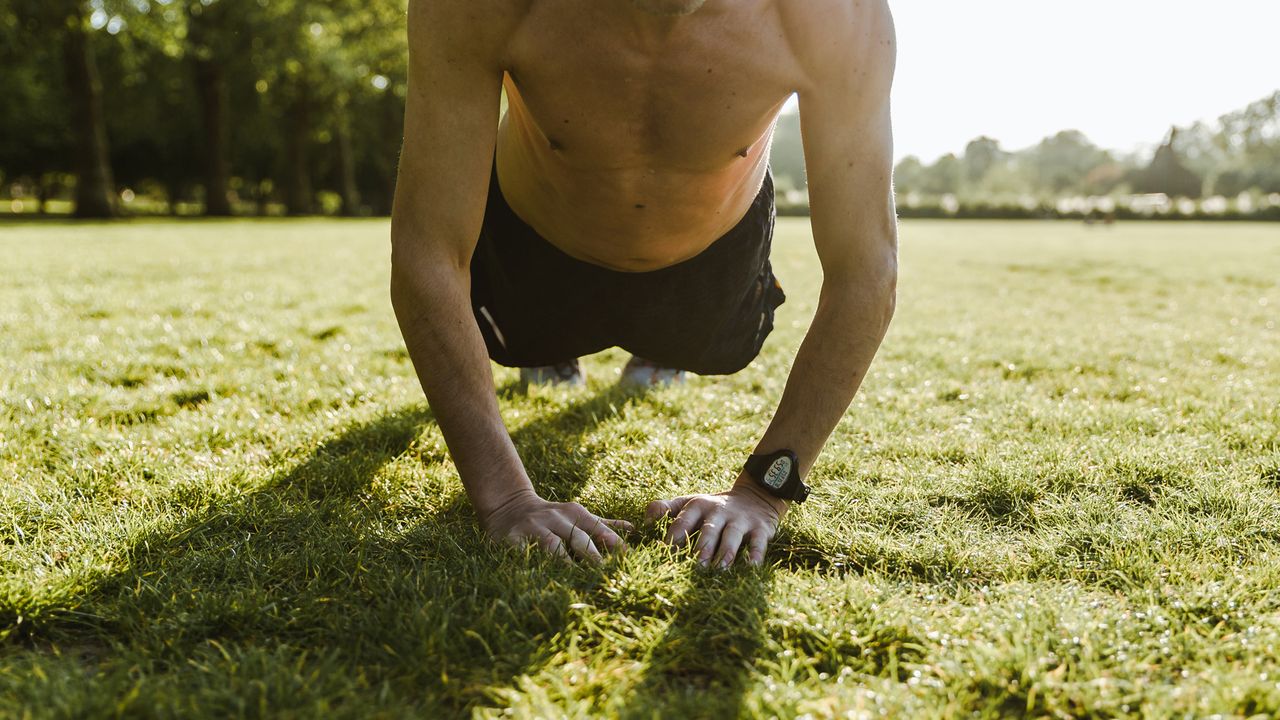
601,96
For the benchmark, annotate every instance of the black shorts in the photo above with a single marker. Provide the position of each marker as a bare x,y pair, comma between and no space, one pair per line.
709,314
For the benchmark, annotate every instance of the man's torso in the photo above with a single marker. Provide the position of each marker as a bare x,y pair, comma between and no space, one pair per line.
636,150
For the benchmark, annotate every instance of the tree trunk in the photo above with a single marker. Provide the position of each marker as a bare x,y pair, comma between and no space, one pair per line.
298,195
393,127
346,168
260,198
173,188
43,193
211,81
95,188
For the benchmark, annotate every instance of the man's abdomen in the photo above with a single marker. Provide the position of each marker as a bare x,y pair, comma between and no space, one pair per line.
623,210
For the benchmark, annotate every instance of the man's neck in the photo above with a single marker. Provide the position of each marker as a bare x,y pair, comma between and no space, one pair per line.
650,26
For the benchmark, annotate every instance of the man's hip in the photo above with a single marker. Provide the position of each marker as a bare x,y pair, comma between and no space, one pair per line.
710,314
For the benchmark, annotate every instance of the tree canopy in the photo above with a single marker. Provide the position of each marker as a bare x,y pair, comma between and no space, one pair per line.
220,103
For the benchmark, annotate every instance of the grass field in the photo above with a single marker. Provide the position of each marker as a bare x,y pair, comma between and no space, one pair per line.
222,494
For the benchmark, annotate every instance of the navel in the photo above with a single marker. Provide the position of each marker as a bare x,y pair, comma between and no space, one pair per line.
554,145
744,151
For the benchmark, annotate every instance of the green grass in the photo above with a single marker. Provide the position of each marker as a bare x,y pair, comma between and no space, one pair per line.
222,494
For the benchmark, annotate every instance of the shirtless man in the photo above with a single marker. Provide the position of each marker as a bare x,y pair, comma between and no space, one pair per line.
632,206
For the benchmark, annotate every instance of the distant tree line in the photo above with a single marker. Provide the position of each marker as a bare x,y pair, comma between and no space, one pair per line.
227,105
1240,154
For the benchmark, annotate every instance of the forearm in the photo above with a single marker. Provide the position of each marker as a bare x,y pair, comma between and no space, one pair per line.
853,315
433,307
846,332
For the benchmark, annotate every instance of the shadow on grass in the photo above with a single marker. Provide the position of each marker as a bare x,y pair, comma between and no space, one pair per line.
552,447
323,567
702,665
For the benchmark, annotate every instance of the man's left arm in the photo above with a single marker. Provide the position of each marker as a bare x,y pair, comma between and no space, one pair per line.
848,147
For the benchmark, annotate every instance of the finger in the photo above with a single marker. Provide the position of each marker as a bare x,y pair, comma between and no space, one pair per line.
582,546
758,543
619,525
599,530
551,543
730,541
708,538
662,508
686,521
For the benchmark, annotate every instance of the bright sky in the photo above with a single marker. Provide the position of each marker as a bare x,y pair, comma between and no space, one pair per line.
1121,71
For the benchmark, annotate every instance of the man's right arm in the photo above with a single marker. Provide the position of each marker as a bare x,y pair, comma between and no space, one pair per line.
451,121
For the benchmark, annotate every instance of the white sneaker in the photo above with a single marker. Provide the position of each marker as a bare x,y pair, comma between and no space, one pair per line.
639,372
568,373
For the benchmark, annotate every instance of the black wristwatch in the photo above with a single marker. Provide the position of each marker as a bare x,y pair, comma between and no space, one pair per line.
779,474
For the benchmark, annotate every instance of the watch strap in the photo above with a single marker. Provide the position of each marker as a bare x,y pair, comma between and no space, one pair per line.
794,489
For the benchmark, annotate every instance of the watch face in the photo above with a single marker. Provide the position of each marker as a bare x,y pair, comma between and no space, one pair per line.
778,473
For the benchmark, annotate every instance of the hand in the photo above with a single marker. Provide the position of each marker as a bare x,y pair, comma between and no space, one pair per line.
723,522
558,528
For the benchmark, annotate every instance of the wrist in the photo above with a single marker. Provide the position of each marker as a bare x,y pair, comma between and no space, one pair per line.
745,485
491,502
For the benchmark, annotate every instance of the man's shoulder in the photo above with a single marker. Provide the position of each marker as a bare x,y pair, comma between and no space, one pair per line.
833,16
472,24
830,35
496,10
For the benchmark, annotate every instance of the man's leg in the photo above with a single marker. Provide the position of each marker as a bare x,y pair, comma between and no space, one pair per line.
567,373
529,299
637,373
641,373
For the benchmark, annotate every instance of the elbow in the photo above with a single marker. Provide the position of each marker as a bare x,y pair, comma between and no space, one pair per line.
418,272
885,289
889,290
400,288
869,291
402,277
876,277
411,283
407,248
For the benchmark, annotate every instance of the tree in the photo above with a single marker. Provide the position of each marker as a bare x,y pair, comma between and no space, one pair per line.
64,24
1250,139
211,42
944,177
908,175
1061,163
35,132
95,186
1167,174
980,155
